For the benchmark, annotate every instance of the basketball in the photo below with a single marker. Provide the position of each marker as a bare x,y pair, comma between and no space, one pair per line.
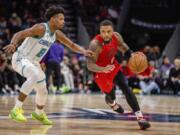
138,62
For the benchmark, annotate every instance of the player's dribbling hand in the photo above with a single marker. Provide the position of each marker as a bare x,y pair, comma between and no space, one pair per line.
9,48
108,68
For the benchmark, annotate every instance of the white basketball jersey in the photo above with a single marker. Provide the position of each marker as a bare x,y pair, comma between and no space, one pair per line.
35,48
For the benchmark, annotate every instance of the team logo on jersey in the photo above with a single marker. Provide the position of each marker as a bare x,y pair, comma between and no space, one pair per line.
44,42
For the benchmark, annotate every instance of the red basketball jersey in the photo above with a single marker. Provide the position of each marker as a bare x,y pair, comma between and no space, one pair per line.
107,57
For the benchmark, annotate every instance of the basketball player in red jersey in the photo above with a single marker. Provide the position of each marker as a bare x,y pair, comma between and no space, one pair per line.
108,72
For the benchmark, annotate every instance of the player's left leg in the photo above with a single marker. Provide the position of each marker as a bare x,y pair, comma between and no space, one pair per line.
110,99
131,99
41,97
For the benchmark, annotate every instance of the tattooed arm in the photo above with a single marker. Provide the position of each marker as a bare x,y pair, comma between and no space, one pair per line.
91,61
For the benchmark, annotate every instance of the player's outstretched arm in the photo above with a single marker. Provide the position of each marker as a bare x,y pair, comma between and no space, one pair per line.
36,30
73,46
91,61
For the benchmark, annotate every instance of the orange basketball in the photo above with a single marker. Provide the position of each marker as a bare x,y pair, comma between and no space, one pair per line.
138,62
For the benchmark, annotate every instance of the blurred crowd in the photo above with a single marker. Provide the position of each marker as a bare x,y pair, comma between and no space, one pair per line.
16,15
161,76
92,12
68,73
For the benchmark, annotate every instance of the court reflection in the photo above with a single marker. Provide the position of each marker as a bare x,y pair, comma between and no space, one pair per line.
40,130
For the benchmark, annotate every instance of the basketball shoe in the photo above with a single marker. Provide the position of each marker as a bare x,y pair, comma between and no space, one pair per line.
17,114
42,118
143,123
116,107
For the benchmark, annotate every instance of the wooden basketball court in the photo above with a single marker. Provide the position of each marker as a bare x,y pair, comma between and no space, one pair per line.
81,114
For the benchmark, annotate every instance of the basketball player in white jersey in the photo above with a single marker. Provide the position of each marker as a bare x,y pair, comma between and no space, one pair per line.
36,42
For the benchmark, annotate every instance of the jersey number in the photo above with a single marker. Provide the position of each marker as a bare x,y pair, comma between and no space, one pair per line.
41,52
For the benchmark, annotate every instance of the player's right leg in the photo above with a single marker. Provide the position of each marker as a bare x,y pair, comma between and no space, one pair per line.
28,70
17,113
110,100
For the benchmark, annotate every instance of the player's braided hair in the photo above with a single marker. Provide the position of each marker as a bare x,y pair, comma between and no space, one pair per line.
53,10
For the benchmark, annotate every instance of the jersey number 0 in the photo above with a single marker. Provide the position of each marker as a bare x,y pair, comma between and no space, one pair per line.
41,52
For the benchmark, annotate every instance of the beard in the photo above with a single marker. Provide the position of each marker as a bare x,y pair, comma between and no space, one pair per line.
107,41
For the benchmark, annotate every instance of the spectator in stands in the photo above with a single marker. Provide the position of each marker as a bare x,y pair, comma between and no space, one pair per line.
14,82
147,82
174,77
15,23
52,62
78,73
28,19
152,53
103,12
4,32
164,72
157,52
67,73
3,75
146,50
2,67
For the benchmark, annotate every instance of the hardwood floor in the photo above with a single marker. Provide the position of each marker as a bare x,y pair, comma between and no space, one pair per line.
81,114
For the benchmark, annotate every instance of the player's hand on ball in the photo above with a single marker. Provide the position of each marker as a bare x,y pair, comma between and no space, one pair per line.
108,68
9,48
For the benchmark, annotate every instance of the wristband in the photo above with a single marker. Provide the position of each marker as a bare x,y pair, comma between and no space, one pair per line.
128,53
